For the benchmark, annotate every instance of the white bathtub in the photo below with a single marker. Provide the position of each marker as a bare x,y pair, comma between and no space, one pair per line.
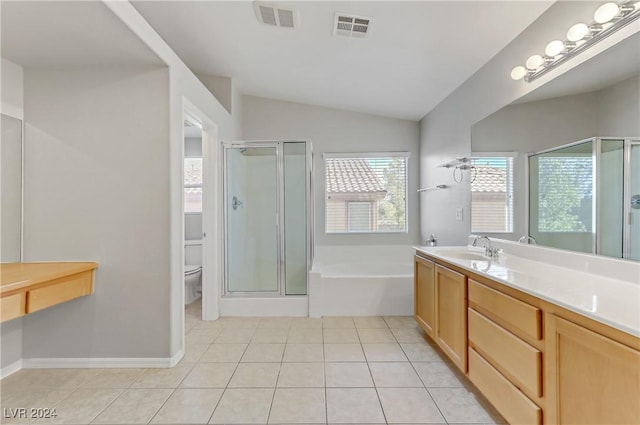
361,281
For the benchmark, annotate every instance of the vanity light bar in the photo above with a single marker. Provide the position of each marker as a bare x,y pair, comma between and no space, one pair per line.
608,18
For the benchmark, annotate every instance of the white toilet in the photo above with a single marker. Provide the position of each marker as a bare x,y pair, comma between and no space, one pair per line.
192,283
192,271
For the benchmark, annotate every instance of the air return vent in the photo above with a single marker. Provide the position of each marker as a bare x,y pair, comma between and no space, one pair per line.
270,14
346,25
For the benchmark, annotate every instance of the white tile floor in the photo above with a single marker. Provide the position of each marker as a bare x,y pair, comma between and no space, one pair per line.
336,370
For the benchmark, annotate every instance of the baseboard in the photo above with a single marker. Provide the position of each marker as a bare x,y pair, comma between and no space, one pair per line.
106,363
10,369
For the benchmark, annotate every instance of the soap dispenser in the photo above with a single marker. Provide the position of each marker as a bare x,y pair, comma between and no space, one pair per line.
432,241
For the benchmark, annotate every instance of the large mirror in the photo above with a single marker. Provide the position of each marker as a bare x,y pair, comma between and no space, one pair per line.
562,163
11,175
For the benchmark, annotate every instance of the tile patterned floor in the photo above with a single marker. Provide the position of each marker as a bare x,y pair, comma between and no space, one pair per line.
336,370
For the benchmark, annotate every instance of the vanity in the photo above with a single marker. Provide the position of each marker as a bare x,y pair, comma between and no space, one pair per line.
28,287
544,343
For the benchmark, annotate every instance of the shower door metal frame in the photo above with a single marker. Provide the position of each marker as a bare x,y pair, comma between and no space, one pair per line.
280,226
626,196
596,178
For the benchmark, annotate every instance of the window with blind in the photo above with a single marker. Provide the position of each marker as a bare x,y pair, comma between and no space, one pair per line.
492,194
366,193
193,185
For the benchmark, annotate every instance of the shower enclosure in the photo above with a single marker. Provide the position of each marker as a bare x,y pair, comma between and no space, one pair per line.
585,196
267,218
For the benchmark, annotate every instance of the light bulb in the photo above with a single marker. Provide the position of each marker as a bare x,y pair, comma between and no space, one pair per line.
518,72
534,62
606,12
577,32
554,48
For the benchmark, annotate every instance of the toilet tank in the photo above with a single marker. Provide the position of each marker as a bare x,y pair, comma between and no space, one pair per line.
193,252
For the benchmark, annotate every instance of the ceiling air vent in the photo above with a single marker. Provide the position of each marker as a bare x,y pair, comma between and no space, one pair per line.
270,14
346,25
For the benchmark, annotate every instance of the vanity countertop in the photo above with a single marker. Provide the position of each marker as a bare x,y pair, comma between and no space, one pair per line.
20,276
610,301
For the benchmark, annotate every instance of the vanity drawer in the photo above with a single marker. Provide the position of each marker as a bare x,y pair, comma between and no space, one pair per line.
510,402
60,290
12,306
520,361
513,312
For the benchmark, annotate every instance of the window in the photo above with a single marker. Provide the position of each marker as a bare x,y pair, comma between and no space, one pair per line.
359,216
492,194
193,185
366,193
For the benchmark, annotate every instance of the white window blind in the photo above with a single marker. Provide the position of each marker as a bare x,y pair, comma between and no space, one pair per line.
365,193
193,185
492,195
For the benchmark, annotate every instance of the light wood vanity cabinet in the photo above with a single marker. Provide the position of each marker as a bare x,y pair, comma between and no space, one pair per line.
451,315
29,287
440,307
536,362
503,363
591,379
425,294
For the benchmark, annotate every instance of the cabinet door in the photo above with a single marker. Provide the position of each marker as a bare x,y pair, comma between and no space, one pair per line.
425,294
451,315
590,379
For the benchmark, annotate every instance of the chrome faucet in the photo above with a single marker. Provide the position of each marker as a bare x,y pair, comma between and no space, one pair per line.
526,239
489,250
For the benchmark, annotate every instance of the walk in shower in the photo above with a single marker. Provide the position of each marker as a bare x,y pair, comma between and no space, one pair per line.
586,197
267,218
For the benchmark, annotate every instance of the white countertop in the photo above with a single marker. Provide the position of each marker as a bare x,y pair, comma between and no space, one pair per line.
607,300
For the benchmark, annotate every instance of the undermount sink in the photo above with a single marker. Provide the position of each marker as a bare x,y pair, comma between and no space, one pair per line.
462,254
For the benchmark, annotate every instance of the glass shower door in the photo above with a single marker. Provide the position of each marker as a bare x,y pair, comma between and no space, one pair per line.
251,203
610,213
633,202
295,217
561,197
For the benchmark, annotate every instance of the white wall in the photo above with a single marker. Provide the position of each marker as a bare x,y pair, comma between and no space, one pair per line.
445,132
332,130
11,89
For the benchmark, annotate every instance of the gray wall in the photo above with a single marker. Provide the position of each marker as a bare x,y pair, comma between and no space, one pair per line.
619,109
220,87
12,105
97,188
11,342
332,130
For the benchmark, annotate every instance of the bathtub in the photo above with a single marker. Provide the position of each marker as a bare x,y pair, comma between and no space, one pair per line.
361,281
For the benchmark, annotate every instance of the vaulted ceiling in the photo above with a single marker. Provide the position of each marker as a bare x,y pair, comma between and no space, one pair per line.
415,54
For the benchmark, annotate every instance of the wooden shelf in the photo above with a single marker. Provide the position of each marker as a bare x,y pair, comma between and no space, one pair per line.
29,287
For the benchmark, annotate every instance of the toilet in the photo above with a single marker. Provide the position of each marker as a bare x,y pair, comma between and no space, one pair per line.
192,283
192,271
